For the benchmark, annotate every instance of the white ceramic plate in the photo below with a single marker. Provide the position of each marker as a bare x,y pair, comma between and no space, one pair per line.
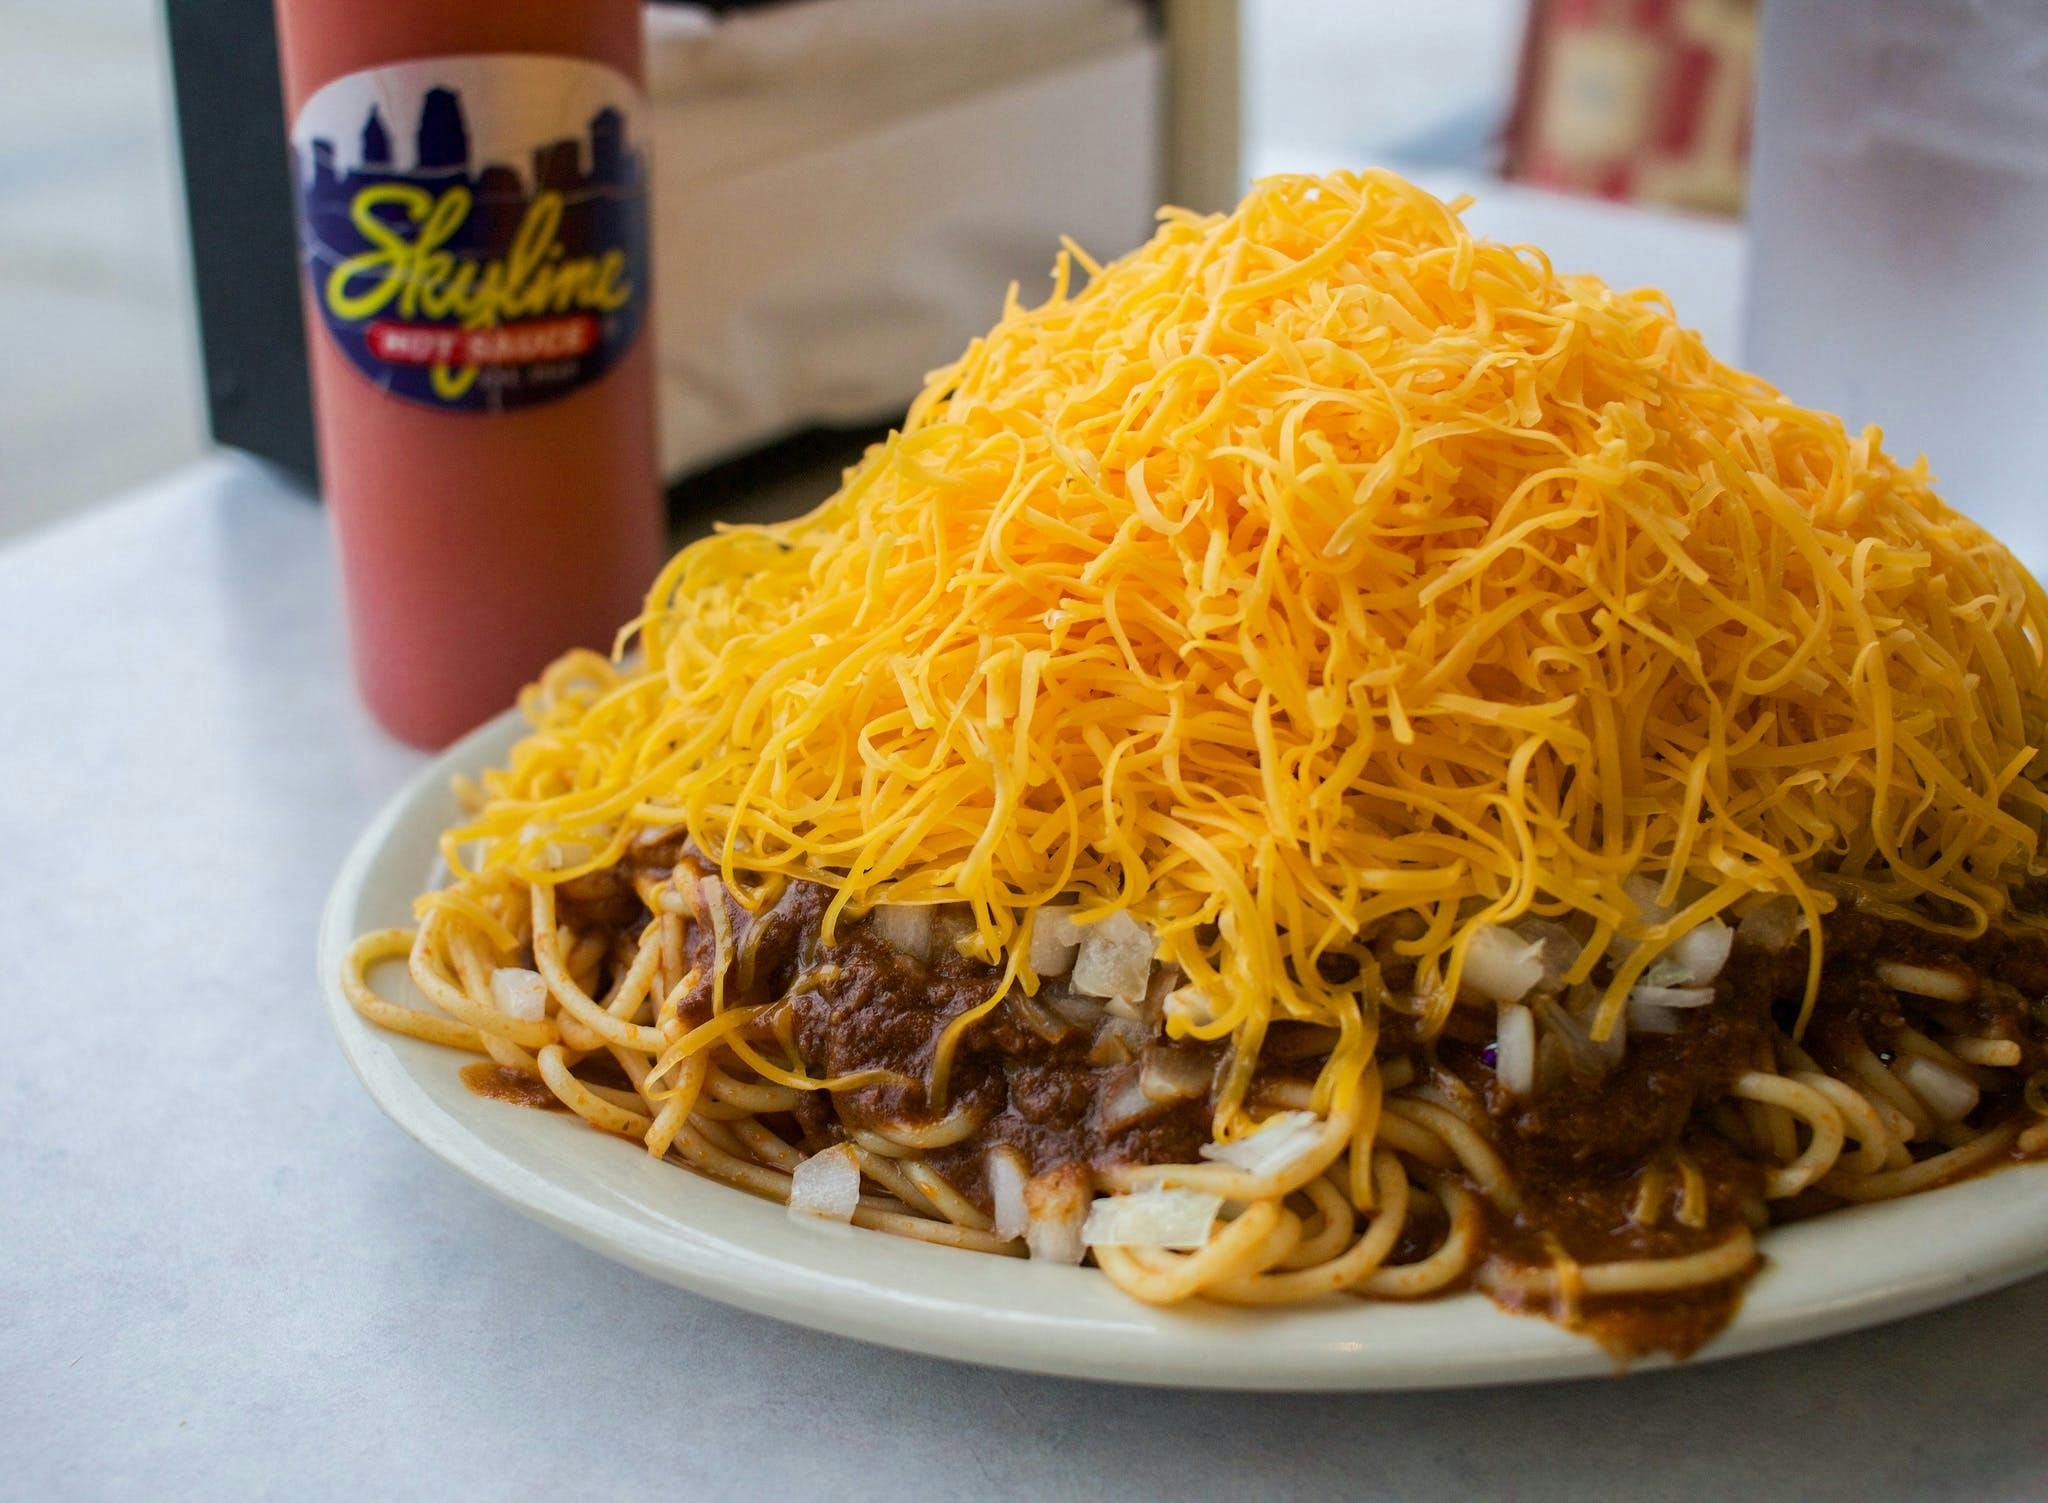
1854,1268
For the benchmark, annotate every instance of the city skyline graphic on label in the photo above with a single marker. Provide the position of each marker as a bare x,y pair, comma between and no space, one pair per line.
469,252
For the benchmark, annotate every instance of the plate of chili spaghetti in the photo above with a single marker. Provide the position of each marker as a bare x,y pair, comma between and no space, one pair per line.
1337,809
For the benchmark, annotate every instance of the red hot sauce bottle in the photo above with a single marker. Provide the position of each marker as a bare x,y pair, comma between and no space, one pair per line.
472,186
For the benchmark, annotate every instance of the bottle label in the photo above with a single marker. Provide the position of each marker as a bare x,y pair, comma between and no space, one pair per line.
475,228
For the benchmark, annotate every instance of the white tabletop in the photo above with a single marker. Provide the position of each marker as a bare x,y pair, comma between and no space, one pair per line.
224,1275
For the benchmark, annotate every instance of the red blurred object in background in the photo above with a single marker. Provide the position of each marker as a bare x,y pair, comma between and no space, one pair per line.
472,193
1644,100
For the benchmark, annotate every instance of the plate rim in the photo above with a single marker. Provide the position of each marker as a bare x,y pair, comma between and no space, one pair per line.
1113,1339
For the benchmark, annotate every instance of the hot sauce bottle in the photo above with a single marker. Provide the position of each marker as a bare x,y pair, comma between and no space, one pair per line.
472,188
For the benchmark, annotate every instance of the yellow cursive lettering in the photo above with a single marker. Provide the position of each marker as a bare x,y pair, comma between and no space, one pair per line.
409,265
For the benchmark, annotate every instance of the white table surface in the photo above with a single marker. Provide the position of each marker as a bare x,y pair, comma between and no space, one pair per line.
224,1275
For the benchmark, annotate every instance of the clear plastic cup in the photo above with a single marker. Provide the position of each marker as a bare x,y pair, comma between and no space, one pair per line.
1899,208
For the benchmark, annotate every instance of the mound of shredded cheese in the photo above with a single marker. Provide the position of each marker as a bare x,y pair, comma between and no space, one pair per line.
1309,566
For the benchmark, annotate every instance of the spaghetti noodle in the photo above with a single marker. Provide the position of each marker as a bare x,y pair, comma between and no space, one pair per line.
1332,735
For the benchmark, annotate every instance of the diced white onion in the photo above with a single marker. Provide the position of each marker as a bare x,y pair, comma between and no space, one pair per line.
1160,984
1033,1014
1055,1242
827,1184
1773,926
1941,984
1053,939
1949,1096
1278,1143
1500,966
1117,1042
519,994
1514,1050
1057,1204
1115,958
1137,1035
558,854
1082,1012
906,927
1166,1074
1152,1218
1189,1006
1006,1175
1125,1103
1695,957
1672,996
1559,947
1648,1017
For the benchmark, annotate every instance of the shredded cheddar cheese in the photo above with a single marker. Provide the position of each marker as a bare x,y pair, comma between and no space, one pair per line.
1313,566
